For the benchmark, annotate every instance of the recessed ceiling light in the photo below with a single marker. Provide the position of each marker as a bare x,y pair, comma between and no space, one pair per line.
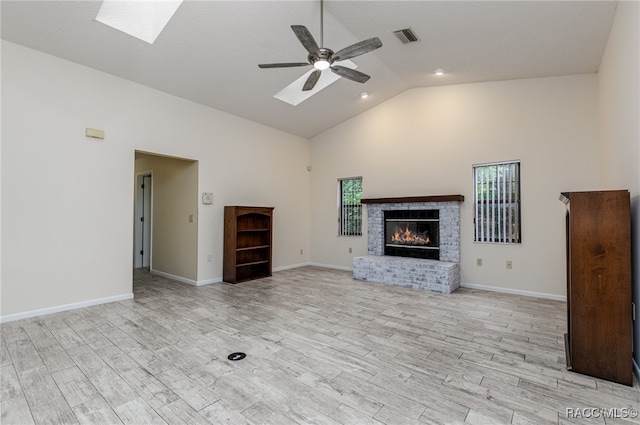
364,95
144,20
439,71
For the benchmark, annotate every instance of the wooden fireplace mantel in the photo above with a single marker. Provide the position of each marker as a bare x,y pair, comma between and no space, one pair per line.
409,199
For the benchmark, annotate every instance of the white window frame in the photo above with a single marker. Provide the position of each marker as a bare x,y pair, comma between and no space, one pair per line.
493,221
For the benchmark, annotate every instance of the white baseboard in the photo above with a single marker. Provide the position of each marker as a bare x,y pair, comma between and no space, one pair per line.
209,281
292,266
65,307
514,291
174,277
219,279
331,266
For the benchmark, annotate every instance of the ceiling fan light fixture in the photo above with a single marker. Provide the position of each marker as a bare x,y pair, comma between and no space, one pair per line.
321,64
293,93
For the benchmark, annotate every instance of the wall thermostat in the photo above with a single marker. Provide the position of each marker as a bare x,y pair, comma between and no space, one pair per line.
207,198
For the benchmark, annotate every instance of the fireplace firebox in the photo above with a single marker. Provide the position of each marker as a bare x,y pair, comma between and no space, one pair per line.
412,233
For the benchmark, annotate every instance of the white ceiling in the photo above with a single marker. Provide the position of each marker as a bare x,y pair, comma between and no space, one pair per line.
210,50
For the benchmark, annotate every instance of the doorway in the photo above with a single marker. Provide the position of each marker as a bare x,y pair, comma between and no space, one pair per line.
165,239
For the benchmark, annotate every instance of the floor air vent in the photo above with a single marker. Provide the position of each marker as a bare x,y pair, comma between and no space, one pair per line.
406,35
236,356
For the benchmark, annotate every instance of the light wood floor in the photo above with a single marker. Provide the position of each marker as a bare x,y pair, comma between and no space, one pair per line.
321,349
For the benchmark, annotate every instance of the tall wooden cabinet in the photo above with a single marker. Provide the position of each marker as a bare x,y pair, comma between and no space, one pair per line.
599,302
247,243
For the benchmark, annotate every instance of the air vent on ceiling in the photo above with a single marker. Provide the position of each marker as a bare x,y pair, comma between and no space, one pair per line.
406,35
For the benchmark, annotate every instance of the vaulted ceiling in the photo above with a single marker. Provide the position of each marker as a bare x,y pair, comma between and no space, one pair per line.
209,51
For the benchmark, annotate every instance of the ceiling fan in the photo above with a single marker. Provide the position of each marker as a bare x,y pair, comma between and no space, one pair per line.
322,58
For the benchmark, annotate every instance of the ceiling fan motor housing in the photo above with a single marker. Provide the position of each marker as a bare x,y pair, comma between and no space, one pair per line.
321,54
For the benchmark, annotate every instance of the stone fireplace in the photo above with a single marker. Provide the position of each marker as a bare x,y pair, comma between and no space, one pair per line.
413,242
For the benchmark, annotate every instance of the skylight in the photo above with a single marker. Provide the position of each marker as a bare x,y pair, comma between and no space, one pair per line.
143,19
293,94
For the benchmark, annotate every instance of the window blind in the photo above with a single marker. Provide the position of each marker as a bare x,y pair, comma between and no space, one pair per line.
350,214
497,202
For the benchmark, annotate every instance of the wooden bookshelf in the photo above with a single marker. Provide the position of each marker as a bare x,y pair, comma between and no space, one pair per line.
247,243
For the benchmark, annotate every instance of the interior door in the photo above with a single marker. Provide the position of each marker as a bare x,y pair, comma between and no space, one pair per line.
146,221
142,244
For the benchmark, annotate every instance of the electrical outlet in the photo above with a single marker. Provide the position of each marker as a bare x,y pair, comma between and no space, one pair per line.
479,262
509,264
301,251
350,250
190,218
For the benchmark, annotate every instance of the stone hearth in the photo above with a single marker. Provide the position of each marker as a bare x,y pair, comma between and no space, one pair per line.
440,276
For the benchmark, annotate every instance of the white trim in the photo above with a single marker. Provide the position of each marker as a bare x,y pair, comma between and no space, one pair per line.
209,281
484,164
174,277
64,307
292,266
331,266
636,369
217,279
515,291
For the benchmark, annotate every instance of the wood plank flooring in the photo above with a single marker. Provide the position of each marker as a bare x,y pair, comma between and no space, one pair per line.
321,349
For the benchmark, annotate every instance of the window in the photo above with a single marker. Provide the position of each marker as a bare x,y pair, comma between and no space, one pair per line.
497,202
350,219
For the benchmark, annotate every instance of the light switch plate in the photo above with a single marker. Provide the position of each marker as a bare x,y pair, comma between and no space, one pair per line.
207,198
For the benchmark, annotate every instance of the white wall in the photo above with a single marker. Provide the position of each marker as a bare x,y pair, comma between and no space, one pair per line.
425,141
67,201
619,103
174,245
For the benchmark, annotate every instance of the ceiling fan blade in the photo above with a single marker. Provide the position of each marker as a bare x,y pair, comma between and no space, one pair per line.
349,73
305,38
312,80
358,49
283,65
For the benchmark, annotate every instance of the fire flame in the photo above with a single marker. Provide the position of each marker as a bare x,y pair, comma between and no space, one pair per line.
405,236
